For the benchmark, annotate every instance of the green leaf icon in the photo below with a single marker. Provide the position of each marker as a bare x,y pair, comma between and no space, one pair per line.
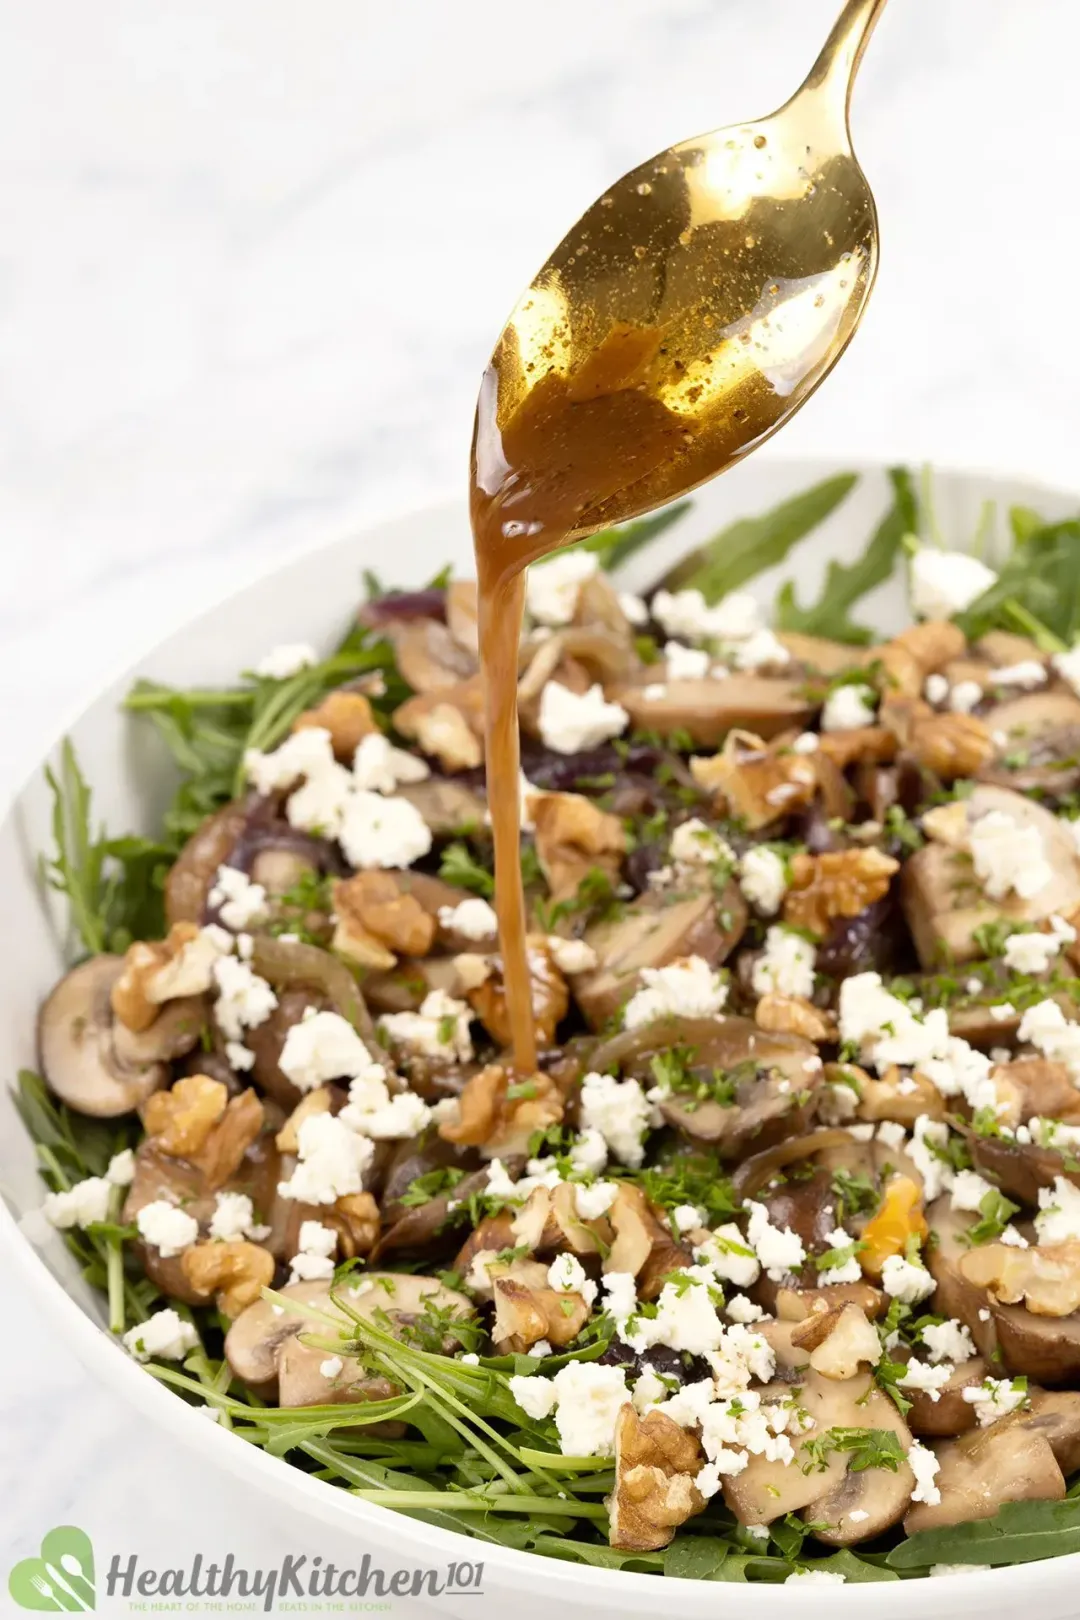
61,1579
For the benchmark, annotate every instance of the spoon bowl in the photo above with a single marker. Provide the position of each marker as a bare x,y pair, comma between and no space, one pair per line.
688,314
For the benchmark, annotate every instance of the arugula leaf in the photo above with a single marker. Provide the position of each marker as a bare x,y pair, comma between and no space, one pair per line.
614,546
1018,1534
114,887
696,1558
853,1567
1037,590
847,583
751,545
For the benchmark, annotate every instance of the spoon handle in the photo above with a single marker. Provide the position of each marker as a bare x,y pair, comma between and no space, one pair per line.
836,66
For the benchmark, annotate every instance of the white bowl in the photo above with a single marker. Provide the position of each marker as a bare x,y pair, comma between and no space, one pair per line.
313,599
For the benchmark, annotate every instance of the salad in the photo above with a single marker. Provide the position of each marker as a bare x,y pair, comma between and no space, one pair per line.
771,1272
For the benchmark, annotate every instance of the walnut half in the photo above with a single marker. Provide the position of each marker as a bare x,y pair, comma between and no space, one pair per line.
656,1462
840,883
235,1273
499,1113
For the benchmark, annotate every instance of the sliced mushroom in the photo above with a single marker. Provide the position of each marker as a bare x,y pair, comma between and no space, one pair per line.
254,1342
652,931
447,807
1041,751
943,902
955,1294
821,656
1020,1169
192,874
765,1491
984,1469
796,1304
428,656
709,709
461,614
1055,1414
77,1041
527,1309
950,1414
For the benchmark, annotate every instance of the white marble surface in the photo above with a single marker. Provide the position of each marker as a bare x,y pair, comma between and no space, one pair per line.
253,254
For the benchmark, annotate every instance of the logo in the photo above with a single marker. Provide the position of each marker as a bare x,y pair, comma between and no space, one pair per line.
61,1577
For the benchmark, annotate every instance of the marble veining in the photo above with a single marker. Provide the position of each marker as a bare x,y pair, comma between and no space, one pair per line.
253,257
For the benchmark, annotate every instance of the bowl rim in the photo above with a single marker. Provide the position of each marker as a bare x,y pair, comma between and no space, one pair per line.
104,1357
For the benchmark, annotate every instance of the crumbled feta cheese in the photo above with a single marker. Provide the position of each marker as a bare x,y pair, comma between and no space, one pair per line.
239,1056
86,1202
535,1395
763,879
1058,1220
332,1161
688,988
759,650
994,1397
571,722
571,955
239,902
1067,665
322,1046
924,1465
1055,1036
1013,1238
377,831
968,1190
848,1270
892,1134
288,659
903,1280
965,696
379,767
166,1228
686,1319
695,844
121,1168
635,609
234,1217
728,1254
308,752
886,1029
654,692
847,708
165,1334
439,1029
244,1001
474,918
685,663
786,966
807,742
948,1341
372,1111
1008,856
589,1398
741,1309
779,1249
588,1152
592,1202
936,689
620,1295
686,1218
567,1275
1052,1133
620,1112
1031,953
946,582
1028,674
313,1261
649,1391
319,805
552,587
332,1366
957,1569
687,616
921,1375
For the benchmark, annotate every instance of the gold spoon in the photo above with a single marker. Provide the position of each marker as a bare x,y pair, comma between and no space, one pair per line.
691,310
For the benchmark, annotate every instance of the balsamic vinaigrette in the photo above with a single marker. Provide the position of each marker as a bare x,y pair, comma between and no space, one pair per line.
691,310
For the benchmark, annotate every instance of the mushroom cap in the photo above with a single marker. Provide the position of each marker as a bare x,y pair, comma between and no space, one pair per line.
768,1490
708,709
253,1342
942,908
983,1470
77,1048
191,876
950,1414
652,931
